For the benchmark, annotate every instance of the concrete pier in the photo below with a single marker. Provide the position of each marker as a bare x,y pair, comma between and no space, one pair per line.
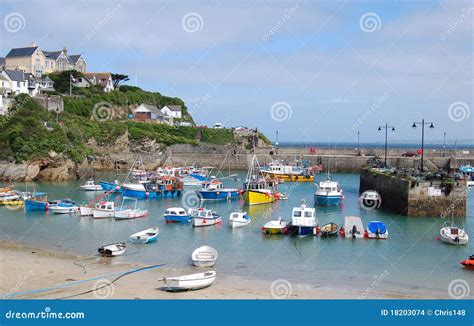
413,197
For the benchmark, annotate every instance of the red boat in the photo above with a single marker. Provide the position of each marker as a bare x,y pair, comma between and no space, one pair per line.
468,263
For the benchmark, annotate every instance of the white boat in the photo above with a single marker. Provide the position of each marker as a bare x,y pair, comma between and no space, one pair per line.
328,193
86,210
204,256
91,186
452,234
145,236
377,230
204,217
68,207
189,282
104,209
353,227
124,212
275,227
113,249
239,219
303,220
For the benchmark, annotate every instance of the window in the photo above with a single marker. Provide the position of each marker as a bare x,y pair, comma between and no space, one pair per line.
297,214
308,214
18,84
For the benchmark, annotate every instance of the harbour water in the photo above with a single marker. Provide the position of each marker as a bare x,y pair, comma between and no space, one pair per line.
412,260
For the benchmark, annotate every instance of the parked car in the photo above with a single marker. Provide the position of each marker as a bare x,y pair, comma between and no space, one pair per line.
185,124
409,154
218,125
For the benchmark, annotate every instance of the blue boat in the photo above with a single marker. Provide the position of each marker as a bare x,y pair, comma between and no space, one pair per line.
38,201
110,186
214,190
377,230
176,215
166,187
328,193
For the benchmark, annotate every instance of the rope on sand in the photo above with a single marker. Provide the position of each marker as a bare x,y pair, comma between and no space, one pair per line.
62,286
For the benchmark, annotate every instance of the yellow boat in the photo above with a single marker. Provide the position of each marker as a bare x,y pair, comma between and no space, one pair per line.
259,189
291,173
290,177
10,199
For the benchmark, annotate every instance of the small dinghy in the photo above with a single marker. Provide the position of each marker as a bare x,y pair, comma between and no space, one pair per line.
275,227
377,230
204,256
239,219
113,249
64,207
353,227
328,230
176,215
145,236
452,234
91,186
468,263
189,282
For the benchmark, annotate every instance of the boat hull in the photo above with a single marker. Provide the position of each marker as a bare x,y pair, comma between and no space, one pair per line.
64,210
291,177
102,214
177,219
109,186
31,205
300,230
239,223
327,200
130,214
200,222
218,194
152,194
86,211
252,197
180,284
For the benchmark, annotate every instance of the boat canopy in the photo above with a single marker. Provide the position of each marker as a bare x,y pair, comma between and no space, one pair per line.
39,194
466,169
377,225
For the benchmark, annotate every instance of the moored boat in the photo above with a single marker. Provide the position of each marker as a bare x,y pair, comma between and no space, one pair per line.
275,227
91,186
468,263
239,219
328,230
328,193
288,172
110,186
176,215
258,189
452,234
113,249
353,227
104,209
145,236
214,190
377,230
204,217
65,207
204,256
38,201
164,187
124,212
189,282
10,198
303,220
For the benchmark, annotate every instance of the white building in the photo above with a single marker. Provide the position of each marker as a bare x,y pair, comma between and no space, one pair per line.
17,81
173,111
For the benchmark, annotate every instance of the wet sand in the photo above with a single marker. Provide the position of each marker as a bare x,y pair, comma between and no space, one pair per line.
39,273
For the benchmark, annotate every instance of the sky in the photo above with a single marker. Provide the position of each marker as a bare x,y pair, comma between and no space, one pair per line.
311,70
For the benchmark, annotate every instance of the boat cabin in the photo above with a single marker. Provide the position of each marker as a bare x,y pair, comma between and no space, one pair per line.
106,205
329,186
213,185
303,216
175,211
201,212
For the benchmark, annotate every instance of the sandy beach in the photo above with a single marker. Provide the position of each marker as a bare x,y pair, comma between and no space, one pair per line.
39,273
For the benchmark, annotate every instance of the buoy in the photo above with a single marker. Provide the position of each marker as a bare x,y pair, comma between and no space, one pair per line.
342,232
366,234
147,194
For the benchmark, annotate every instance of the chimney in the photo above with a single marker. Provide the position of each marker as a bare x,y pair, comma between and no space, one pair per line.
65,50
33,44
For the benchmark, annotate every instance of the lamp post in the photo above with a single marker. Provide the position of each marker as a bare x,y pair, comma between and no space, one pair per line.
422,123
276,144
444,144
386,127
358,141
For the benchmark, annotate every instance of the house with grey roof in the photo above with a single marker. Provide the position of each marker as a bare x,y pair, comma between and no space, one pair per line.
172,111
151,114
17,80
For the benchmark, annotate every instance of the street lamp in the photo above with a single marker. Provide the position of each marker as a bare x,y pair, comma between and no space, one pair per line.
386,127
422,123
276,144
444,144
358,141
